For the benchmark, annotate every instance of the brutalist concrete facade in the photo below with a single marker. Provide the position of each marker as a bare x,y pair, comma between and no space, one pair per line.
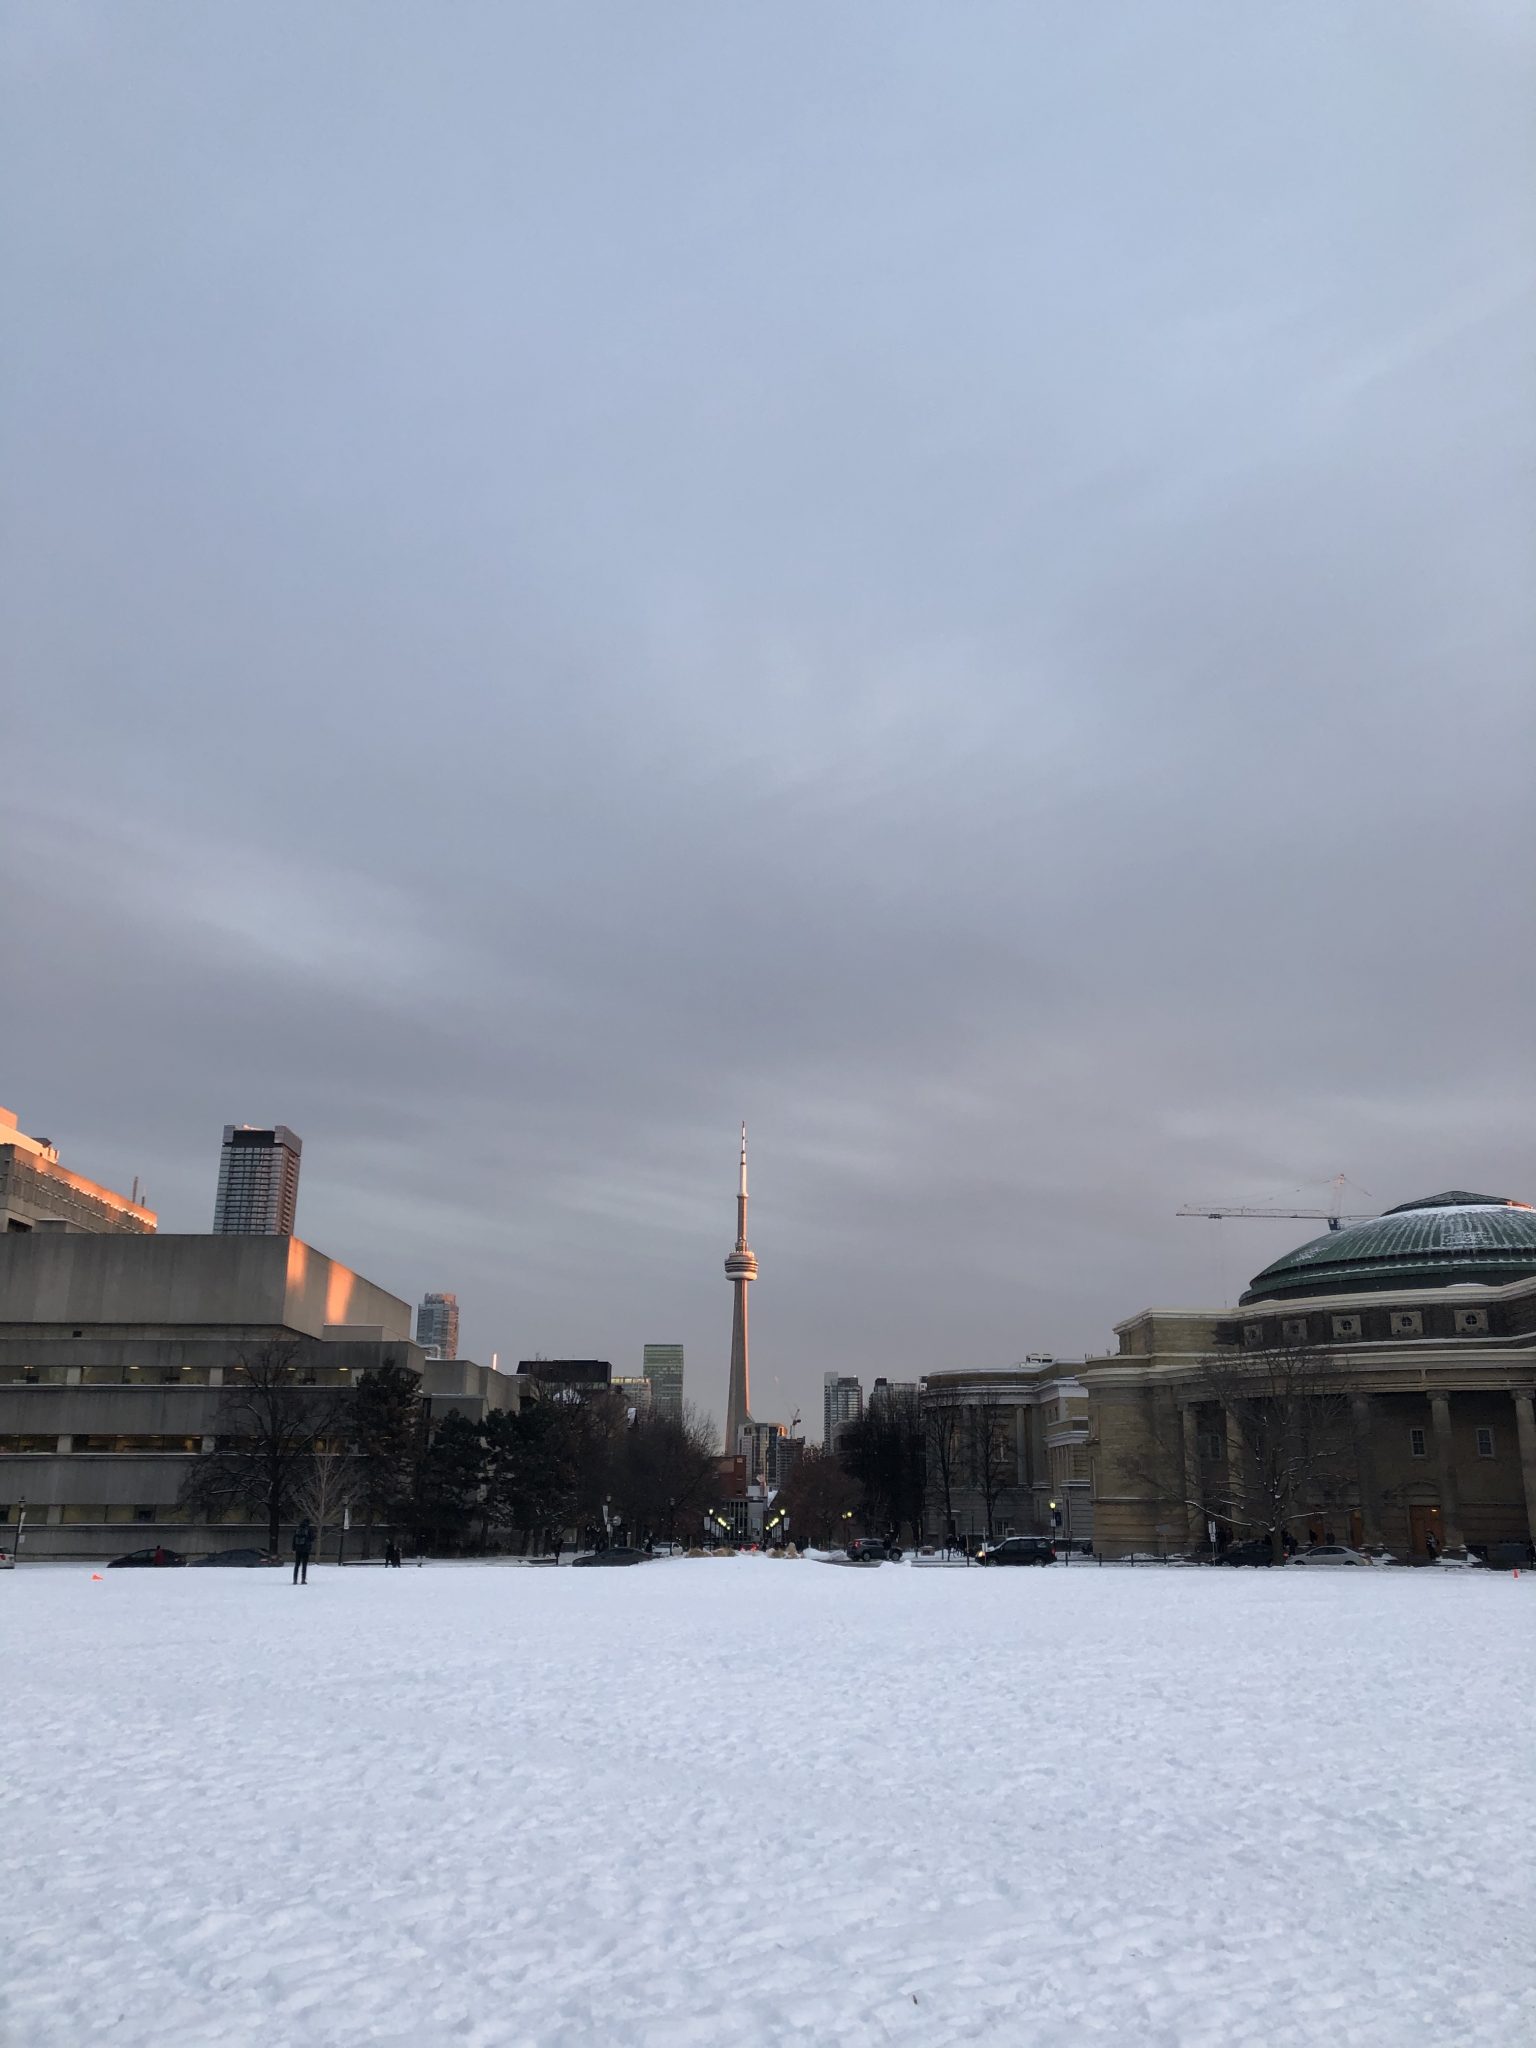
114,1352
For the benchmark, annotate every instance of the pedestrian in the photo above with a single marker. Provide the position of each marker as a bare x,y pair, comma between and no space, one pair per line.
559,1544
1431,1546
303,1544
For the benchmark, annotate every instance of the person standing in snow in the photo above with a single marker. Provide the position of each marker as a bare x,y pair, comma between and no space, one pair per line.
303,1544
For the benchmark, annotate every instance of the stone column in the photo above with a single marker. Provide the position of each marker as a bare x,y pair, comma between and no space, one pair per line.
1450,1502
1525,1432
1237,1480
1365,1468
1194,1518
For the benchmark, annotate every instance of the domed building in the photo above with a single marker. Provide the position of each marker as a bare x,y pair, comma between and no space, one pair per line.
1375,1386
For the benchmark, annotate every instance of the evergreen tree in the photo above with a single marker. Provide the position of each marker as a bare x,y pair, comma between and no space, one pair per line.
450,1484
386,1424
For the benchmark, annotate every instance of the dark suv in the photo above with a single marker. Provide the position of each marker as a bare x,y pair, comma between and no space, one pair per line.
1020,1550
873,1550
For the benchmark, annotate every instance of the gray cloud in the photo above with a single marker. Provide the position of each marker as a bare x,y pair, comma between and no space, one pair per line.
957,589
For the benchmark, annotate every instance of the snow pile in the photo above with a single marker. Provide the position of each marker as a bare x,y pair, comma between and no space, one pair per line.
698,1802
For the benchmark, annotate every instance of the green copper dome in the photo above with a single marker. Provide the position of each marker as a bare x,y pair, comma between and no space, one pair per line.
1436,1242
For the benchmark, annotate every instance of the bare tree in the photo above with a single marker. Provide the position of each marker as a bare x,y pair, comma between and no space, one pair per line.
993,1457
265,1431
944,1433
1282,1448
818,1497
327,1485
884,1449
663,1469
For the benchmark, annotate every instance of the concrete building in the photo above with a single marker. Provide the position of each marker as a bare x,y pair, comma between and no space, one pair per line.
36,1193
887,1390
842,1402
115,1352
258,1182
566,1378
635,1391
437,1324
1007,1453
662,1365
741,1271
1423,1324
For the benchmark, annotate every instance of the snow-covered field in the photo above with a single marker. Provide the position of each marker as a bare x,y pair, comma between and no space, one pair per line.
710,1802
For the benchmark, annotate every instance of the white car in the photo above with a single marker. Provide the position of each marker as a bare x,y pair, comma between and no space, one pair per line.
1331,1553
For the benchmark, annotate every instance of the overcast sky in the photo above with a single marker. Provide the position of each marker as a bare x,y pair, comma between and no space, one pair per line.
952,581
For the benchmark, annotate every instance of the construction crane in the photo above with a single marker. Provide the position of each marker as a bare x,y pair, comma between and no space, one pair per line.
1214,1212
1334,1218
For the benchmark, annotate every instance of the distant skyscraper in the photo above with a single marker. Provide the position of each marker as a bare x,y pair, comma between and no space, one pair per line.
437,1322
740,1268
842,1403
662,1365
258,1182
762,1445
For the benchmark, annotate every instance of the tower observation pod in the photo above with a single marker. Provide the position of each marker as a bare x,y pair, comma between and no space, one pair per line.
740,1268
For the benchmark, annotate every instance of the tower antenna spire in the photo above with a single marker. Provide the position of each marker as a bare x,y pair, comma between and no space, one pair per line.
740,1270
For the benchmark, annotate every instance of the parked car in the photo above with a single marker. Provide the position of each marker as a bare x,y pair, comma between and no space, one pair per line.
616,1554
1259,1551
1330,1554
873,1550
1020,1550
157,1554
234,1557
7,1562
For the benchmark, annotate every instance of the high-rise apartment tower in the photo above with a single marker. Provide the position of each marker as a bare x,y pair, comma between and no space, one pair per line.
258,1182
842,1403
437,1323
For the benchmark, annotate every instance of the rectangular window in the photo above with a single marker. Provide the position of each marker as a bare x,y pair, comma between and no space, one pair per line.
1485,1443
143,1514
1210,1445
1416,1443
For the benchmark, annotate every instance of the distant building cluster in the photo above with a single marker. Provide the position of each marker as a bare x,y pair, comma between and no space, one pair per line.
1375,1389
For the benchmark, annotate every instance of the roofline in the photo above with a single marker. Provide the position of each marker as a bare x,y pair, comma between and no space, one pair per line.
1349,1298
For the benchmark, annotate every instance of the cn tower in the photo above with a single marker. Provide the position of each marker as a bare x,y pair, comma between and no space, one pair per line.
740,1267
